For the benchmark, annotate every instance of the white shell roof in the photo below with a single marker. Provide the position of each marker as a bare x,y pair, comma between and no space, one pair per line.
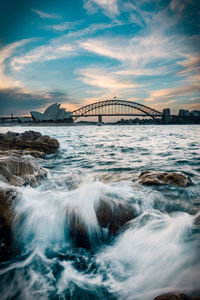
52,113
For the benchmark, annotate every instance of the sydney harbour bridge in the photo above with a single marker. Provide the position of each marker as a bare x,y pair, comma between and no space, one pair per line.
115,107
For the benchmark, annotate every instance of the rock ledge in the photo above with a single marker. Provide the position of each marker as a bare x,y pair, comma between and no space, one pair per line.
28,141
163,178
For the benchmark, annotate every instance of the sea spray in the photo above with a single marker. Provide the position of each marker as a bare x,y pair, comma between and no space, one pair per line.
155,255
43,215
155,252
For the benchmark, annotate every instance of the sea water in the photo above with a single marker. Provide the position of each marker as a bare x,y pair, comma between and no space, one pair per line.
157,252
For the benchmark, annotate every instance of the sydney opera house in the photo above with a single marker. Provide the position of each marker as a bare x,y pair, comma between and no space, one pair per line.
52,113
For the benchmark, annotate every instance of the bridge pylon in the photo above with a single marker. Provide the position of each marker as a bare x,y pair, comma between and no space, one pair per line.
99,119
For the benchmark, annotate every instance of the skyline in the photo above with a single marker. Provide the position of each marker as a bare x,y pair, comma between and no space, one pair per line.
92,50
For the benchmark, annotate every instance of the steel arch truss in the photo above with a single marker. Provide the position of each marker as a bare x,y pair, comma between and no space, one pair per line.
87,110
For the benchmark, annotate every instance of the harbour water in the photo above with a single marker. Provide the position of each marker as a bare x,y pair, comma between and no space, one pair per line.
157,252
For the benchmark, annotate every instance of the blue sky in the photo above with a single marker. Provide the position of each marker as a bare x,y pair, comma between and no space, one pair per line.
81,51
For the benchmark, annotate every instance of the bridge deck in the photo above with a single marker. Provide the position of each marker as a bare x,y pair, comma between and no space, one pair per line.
111,115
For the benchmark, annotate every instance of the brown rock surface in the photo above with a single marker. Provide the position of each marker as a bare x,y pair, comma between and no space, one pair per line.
175,296
162,178
111,214
28,141
114,214
18,171
28,151
7,196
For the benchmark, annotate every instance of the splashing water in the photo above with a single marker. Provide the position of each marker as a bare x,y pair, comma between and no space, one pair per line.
155,252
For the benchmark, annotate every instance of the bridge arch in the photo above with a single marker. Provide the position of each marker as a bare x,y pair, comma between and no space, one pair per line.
94,109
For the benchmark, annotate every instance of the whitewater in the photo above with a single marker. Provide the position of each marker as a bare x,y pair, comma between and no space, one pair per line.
156,252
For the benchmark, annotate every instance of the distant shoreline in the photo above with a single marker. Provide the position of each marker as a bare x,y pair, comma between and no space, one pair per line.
53,124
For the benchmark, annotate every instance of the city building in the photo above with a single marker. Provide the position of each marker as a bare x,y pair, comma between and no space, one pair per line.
183,113
195,113
52,113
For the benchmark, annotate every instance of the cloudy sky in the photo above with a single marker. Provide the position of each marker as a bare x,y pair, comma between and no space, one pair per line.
75,52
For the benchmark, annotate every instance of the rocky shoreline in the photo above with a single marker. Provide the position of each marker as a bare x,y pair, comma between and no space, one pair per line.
17,168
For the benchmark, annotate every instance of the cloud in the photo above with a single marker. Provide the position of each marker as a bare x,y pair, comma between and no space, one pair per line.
93,28
152,53
193,106
19,102
178,6
174,93
101,79
5,80
43,53
145,71
109,7
57,48
63,26
147,46
190,65
45,15
14,96
136,50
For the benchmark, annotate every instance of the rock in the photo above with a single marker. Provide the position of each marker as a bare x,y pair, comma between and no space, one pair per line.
33,135
110,214
175,296
78,231
162,178
113,215
197,221
28,141
34,153
27,151
172,296
7,196
18,171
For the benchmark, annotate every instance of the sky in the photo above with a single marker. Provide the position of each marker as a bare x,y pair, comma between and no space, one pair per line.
77,52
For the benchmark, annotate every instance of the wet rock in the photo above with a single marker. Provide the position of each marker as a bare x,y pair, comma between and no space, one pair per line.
113,215
110,215
28,141
33,135
175,296
162,178
197,221
18,171
172,296
7,197
28,151
34,153
78,231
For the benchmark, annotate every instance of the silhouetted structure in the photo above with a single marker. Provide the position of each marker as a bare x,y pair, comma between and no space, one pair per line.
166,116
115,107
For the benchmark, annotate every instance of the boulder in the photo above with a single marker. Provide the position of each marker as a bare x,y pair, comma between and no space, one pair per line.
18,171
197,221
175,296
114,214
28,141
110,215
163,178
78,231
7,196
